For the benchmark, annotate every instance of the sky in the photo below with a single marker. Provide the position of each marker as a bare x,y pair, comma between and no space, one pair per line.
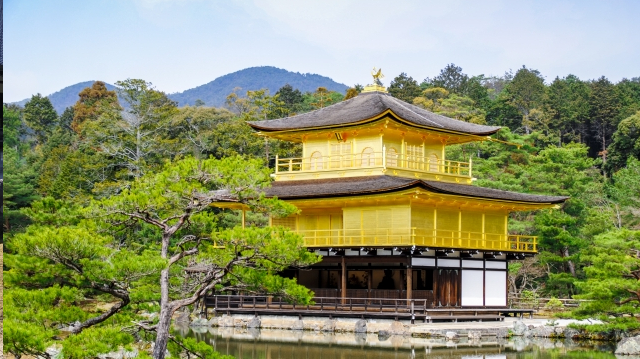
181,44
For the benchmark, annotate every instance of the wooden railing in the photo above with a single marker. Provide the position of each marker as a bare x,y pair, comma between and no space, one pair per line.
372,160
419,237
252,303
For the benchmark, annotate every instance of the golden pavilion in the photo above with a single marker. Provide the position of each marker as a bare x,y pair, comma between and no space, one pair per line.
391,216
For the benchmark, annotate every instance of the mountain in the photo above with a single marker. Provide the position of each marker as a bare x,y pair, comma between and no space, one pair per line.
66,97
215,92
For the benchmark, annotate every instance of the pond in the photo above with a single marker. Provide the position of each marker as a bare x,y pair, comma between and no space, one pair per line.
287,344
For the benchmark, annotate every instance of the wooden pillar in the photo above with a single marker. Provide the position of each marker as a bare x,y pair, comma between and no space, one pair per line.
409,284
369,282
243,217
343,284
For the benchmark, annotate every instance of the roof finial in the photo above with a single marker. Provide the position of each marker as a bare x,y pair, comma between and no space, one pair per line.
377,85
377,75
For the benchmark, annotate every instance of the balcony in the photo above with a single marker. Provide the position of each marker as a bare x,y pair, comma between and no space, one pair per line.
373,163
419,237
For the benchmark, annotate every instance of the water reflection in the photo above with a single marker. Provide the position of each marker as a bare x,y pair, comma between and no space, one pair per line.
287,344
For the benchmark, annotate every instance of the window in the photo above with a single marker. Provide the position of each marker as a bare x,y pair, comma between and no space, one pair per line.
433,163
414,156
392,157
316,161
341,154
368,157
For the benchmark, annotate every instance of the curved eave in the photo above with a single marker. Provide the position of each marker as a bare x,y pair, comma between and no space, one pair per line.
269,131
333,190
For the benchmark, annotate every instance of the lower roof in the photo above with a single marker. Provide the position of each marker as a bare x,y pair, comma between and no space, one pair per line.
353,186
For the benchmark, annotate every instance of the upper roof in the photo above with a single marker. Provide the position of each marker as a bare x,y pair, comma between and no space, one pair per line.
350,186
368,106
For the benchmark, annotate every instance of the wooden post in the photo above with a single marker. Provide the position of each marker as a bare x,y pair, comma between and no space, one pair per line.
409,284
343,284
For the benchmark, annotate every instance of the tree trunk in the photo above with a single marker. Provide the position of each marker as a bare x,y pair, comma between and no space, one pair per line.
166,311
572,267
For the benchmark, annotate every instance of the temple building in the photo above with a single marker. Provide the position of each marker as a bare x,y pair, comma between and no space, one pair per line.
391,216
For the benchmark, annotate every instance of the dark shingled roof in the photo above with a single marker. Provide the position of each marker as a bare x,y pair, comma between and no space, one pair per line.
349,186
368,105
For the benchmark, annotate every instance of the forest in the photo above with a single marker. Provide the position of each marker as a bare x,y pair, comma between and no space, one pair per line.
109,201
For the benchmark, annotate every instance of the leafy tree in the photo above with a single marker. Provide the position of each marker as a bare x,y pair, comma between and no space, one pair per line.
625,143
176,203
199,103
604,108
133,138
40,115
135,248
93,102
351,93
567,102
438,100
404,87
196,130
451,78
526,92
629,96
12,127
612,268
322,98
18,188
624,189
291,98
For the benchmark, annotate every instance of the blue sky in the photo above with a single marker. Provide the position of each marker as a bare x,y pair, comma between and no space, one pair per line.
180,44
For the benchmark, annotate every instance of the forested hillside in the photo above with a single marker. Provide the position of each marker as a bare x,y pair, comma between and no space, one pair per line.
215,92
271,78
89,195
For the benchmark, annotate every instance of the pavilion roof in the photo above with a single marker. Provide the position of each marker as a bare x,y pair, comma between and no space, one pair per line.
350,186
369,106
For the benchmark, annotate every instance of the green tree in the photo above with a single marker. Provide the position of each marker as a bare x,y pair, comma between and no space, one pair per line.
526,92
567,101
176,203
612,268
451,78
292,99
135,248
92,103
133,139
40,115
624,189
604,108
625,143
404,88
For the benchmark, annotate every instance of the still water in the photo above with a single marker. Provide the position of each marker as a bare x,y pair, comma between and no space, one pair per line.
286,344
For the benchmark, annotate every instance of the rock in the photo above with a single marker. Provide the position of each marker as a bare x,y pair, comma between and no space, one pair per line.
502,333
397,328
213,322
519,328
629,346
361,326
183,317
226,321
298,325
254,323
570,333
474,335
558,331
199,322
543,331
54,351
328,325
383,335
451,336
120,354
